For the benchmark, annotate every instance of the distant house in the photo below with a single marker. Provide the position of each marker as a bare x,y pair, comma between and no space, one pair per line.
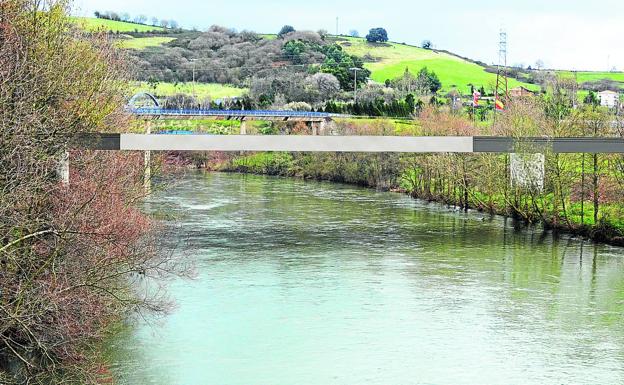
609,98
520,92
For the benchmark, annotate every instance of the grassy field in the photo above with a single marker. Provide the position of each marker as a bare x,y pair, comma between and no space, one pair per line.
92,24
378,126
391,59
202,90
588,76
143,42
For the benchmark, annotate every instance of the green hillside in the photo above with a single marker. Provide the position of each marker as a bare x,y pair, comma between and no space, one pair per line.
589,76
202,90
92,24
143,42
389,60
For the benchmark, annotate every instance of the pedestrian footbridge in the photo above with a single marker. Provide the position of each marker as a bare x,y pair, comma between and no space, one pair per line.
332,143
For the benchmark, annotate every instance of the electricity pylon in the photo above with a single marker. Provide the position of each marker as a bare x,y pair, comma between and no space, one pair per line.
501,93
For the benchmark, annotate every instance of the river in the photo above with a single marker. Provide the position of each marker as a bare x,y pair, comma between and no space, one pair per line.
304,282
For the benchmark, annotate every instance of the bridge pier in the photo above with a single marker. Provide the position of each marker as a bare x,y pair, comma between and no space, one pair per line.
147,163
527,170
243,127
63,169
315,128
319,127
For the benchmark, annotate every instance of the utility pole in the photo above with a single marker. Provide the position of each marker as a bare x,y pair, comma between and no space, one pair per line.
575,91
337,26
355,69
193,61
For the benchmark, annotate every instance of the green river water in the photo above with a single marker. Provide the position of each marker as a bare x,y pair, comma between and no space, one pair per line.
318,283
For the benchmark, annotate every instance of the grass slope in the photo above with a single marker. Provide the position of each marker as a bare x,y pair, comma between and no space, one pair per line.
92,24
143,42
202,90
589,76
391,59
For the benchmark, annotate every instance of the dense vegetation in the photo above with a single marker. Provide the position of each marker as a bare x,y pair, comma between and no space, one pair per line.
581,193
72,256
299,66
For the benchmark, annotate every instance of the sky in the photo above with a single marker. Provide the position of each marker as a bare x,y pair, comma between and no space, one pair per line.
563,34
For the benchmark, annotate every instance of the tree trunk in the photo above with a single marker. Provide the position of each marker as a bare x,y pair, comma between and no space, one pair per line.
596,192
583,190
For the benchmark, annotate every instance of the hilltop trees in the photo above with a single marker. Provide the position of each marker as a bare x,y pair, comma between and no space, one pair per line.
285,31
140,19
377,35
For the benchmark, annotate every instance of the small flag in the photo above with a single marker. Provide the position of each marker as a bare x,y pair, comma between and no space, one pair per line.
475,98
499,104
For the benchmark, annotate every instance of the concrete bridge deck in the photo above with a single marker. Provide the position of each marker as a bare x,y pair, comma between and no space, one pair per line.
310,143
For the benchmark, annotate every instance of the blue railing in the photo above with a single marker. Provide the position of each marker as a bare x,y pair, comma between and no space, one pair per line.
241,113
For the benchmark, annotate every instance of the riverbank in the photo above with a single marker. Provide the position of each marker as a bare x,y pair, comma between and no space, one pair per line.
406,174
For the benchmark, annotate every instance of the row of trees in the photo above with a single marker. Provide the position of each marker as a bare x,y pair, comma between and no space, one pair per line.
375,35
580,192
378,107
138,19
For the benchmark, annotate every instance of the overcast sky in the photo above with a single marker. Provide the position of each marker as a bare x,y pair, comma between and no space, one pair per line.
572,34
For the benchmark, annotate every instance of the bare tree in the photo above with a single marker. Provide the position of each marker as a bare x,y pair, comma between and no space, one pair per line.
70,255
539,64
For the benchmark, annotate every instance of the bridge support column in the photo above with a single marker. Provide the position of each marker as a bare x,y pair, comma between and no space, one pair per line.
147,171
527,171
243,127
63,169
315,128
323,127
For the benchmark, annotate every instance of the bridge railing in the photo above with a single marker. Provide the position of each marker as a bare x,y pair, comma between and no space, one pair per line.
238,113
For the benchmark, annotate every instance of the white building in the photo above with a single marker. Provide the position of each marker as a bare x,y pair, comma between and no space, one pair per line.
609,98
